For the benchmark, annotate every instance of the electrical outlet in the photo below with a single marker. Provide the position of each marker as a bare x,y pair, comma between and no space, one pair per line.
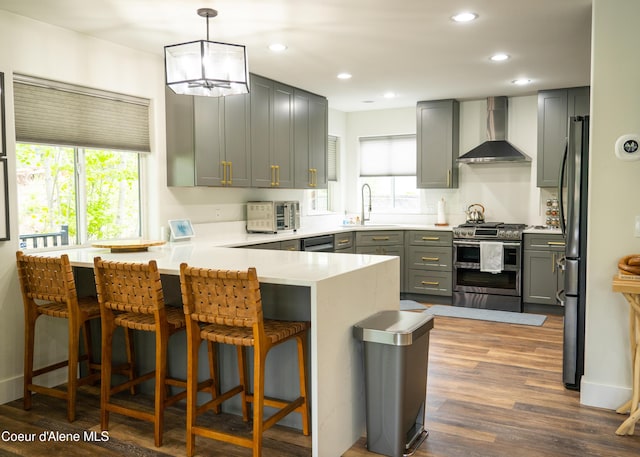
218,212
637,227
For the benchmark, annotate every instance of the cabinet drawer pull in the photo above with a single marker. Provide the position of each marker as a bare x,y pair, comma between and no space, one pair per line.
230,181
430,238
429,283
449,177
432,259
380,238
224,172
345,241
555,243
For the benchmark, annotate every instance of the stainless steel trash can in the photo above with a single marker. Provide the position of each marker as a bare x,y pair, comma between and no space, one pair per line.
396,349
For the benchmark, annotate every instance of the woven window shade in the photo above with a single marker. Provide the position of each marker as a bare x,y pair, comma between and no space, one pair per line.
388,155
47,112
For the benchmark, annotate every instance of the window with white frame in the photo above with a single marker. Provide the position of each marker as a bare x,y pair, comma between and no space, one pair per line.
77,162
388,165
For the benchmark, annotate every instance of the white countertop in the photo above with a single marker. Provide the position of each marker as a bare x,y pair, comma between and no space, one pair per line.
236,238
276,267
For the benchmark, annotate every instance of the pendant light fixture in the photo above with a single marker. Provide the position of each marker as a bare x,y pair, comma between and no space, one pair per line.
207,68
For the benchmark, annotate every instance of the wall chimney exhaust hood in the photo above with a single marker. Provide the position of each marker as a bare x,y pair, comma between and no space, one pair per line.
496,148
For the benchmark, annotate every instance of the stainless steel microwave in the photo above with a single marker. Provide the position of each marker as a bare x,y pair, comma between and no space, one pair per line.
272,217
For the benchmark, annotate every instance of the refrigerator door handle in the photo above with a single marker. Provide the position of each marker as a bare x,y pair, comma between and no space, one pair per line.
560,297
563,167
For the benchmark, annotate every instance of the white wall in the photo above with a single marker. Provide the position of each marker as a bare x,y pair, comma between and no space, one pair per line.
507,191
614,199
38,49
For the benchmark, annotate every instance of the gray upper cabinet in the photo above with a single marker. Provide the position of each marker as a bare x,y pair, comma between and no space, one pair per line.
271,133
437,140
180,142
554,109
310,140
207,140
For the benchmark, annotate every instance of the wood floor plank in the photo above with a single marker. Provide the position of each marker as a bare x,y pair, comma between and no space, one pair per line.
493,390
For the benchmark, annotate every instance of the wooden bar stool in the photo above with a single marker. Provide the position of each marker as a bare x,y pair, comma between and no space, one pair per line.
130,296
226,307
48,288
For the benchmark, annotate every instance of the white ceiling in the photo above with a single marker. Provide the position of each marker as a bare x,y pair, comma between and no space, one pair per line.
410,47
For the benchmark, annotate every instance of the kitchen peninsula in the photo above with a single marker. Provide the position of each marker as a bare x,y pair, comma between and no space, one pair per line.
333,291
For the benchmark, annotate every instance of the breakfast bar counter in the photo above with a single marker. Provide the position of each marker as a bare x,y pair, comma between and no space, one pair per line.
334,291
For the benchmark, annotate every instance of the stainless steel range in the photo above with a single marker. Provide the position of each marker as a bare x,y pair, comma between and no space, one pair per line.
487,266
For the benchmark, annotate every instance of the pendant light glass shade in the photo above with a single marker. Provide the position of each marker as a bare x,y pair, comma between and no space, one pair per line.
207,68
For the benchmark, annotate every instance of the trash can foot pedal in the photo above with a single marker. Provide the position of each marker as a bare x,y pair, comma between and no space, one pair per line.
417,442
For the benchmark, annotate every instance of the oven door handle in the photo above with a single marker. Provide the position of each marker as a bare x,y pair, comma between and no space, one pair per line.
477,243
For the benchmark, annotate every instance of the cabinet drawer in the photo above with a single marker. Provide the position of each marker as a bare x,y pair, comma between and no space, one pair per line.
380,250
430,258
348,250
377,238
544,242
429,237
343,240
429,282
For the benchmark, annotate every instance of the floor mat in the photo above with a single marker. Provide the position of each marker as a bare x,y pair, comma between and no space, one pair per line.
487,315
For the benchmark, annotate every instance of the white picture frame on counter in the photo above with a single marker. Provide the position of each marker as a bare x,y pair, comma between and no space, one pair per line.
181,229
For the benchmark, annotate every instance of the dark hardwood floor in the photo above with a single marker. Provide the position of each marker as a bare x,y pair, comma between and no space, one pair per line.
494,390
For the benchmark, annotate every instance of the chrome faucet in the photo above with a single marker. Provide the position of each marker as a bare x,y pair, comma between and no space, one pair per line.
362,218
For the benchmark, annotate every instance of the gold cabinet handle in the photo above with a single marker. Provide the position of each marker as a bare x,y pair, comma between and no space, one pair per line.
430,238
433,259
273,175
224,172
230,164
553,262
277,175
429,283
292,248
449,177
345,241
314,172
380,238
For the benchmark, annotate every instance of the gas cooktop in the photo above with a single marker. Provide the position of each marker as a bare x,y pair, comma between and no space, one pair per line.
489,231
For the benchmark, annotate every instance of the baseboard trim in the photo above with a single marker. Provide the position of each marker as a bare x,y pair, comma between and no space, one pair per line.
603,395
13,388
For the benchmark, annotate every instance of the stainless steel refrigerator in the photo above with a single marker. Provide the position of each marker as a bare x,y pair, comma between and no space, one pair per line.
572,194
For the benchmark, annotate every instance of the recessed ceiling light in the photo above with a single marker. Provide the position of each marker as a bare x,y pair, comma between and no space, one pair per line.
465,16
499,57
389,95
344,75
277,47
521,81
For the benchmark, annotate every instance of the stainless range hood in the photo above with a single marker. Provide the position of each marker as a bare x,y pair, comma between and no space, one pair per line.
496,148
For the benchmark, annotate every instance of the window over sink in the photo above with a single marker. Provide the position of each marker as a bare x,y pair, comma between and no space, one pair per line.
388,165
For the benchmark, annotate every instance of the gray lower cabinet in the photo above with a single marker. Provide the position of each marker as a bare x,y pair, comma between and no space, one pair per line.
554,109
310,140
344,243
208,140
438,124
272,151
429,262
382,242
541,277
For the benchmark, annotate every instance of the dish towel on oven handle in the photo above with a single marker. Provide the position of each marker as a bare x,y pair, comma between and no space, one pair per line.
491,256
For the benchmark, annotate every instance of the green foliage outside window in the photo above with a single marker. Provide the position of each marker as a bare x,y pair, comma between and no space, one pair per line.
49,195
